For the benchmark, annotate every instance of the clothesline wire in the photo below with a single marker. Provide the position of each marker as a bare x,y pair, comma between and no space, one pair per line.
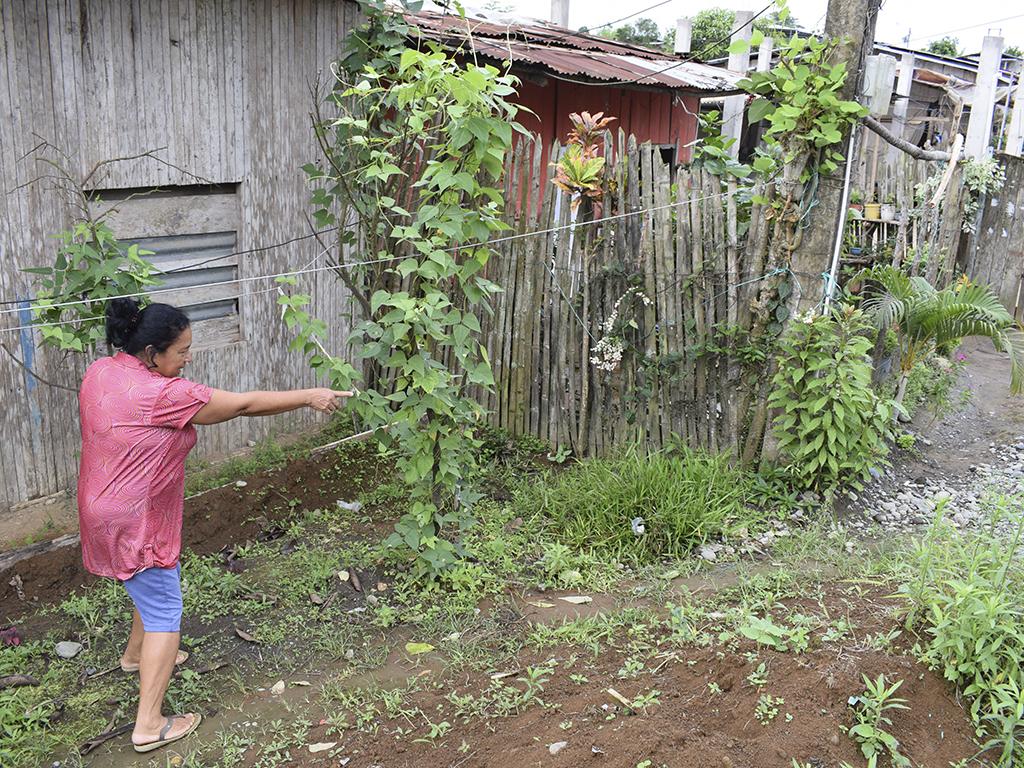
85,320
333,267
212,259
630,16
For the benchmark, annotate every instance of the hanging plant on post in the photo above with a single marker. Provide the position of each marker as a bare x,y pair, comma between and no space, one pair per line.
413,152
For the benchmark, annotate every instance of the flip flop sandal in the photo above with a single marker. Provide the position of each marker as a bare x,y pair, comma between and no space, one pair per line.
182,658
162,740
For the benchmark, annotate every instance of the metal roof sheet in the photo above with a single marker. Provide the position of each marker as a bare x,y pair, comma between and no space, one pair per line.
573,53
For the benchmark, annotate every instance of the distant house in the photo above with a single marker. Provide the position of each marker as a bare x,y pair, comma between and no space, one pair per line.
941,94
654,95
943,91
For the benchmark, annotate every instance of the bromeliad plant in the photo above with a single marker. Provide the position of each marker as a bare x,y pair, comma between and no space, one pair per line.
928,320
580,170
413,151
832,427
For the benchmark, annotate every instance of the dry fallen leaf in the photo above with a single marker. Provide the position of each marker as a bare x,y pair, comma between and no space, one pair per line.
323,746
277,688
541,604
245,635
577,599
315,599
343,575
300,682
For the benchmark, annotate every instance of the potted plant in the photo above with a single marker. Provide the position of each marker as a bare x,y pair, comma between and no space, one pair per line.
856,200
888,208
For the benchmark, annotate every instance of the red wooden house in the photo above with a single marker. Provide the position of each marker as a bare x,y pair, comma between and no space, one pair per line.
655,96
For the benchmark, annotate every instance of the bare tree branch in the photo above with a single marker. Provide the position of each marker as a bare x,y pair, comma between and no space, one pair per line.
341,272
904,145
35,375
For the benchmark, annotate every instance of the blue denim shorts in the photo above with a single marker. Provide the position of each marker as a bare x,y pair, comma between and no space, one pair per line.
156,593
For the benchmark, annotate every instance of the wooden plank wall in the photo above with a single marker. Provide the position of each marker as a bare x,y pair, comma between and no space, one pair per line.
995,255
222,89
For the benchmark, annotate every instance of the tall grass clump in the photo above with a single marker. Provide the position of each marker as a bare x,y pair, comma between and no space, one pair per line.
639,506
964,595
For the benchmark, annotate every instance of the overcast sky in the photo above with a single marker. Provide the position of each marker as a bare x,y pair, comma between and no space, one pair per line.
923,19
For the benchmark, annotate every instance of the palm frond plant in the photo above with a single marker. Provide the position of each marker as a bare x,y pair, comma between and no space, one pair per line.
927,320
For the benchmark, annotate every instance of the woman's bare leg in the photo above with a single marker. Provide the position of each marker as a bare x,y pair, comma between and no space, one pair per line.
133,652
156,663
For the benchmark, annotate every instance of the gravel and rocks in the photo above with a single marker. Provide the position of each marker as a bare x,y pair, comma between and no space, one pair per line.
897,503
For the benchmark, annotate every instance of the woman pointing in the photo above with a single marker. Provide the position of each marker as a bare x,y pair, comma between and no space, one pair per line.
137,416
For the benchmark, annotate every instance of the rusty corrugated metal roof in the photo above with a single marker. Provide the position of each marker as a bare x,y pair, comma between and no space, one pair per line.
586,57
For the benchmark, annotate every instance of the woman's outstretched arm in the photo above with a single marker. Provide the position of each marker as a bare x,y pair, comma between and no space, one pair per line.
224,406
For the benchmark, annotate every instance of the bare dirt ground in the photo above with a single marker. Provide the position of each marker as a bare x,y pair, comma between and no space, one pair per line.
701,706
991,416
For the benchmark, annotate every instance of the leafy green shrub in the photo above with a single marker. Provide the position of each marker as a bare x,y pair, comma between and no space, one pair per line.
414,141
931,384
832,426
963,593
645,506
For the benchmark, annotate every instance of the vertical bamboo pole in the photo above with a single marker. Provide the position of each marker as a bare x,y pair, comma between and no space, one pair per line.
732,379
665,276
685,307
701,413
652,424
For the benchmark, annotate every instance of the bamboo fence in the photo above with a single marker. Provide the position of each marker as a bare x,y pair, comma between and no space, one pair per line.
682,251
705,261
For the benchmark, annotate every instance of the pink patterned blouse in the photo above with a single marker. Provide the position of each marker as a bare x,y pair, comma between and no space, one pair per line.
131,485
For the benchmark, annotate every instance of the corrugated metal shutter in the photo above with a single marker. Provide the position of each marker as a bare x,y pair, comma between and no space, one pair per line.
193,233
187,261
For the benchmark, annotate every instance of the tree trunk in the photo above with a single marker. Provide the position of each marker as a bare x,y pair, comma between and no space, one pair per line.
901,391
853,23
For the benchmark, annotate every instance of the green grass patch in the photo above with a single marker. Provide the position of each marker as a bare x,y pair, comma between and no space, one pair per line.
678,499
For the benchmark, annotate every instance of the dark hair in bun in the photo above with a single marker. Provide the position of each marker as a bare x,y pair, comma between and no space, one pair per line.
132,329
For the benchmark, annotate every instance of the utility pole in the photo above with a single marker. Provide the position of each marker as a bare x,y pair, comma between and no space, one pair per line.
1015,139
979,126
899,109
852,22
684,34
560,12
735,106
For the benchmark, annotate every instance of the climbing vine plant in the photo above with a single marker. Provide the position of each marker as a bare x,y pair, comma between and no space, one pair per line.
800,101
414,143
